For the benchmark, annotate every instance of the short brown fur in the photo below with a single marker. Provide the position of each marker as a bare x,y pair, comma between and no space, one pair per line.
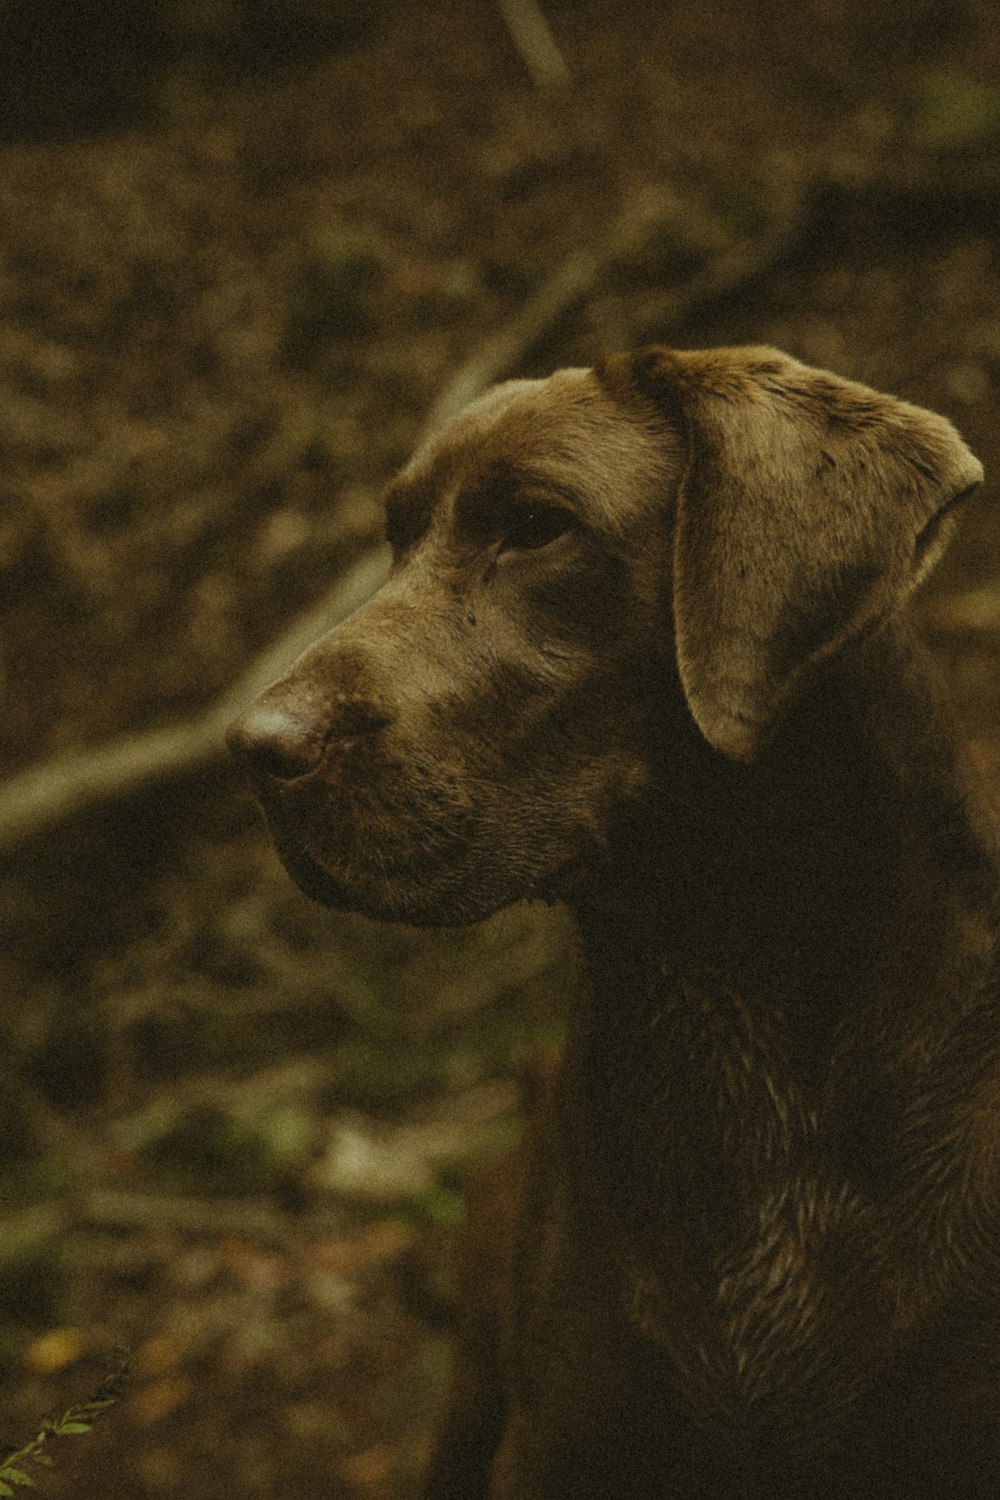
642,649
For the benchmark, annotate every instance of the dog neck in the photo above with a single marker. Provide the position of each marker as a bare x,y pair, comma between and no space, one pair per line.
755,940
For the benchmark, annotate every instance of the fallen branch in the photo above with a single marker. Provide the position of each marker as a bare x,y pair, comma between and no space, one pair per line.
727,270
501,351
46,794
257,1217
532,36
29,1230
655,214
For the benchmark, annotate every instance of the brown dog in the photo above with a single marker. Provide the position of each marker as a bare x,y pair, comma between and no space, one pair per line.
639,649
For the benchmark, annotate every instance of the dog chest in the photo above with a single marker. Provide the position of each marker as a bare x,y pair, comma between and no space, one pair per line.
785,1365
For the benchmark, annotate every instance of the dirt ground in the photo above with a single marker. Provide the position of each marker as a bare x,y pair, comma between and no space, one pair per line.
237,265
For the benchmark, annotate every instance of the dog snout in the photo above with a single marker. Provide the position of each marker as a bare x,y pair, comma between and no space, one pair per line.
273,742
277,739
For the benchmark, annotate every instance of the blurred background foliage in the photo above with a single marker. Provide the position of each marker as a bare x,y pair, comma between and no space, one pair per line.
243,248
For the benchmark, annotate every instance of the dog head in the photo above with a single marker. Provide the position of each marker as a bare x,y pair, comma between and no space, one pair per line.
564,554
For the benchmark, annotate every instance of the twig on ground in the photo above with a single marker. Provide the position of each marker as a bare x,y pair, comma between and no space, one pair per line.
730,268
532,36
56,789
104,1208
500,351
46,794
30,1229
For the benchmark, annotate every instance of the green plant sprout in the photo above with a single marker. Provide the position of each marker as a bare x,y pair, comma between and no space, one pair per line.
75,1420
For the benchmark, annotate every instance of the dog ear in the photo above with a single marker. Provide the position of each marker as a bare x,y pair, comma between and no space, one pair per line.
810,509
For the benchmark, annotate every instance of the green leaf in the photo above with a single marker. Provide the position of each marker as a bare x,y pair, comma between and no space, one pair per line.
5,1489
18,1476
64,1428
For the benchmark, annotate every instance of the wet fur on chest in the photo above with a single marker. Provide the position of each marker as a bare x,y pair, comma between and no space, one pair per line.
751,1257
809,1274
795,1140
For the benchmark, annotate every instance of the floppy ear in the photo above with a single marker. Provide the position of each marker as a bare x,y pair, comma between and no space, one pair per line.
810,509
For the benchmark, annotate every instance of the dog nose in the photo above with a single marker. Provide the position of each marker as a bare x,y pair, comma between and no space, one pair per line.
271,740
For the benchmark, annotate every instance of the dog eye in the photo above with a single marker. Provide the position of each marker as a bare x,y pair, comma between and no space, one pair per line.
531,527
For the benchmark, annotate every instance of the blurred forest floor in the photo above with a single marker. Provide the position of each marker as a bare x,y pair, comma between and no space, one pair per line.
242,249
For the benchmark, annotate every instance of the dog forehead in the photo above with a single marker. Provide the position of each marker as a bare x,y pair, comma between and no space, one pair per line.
565,429
515,406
